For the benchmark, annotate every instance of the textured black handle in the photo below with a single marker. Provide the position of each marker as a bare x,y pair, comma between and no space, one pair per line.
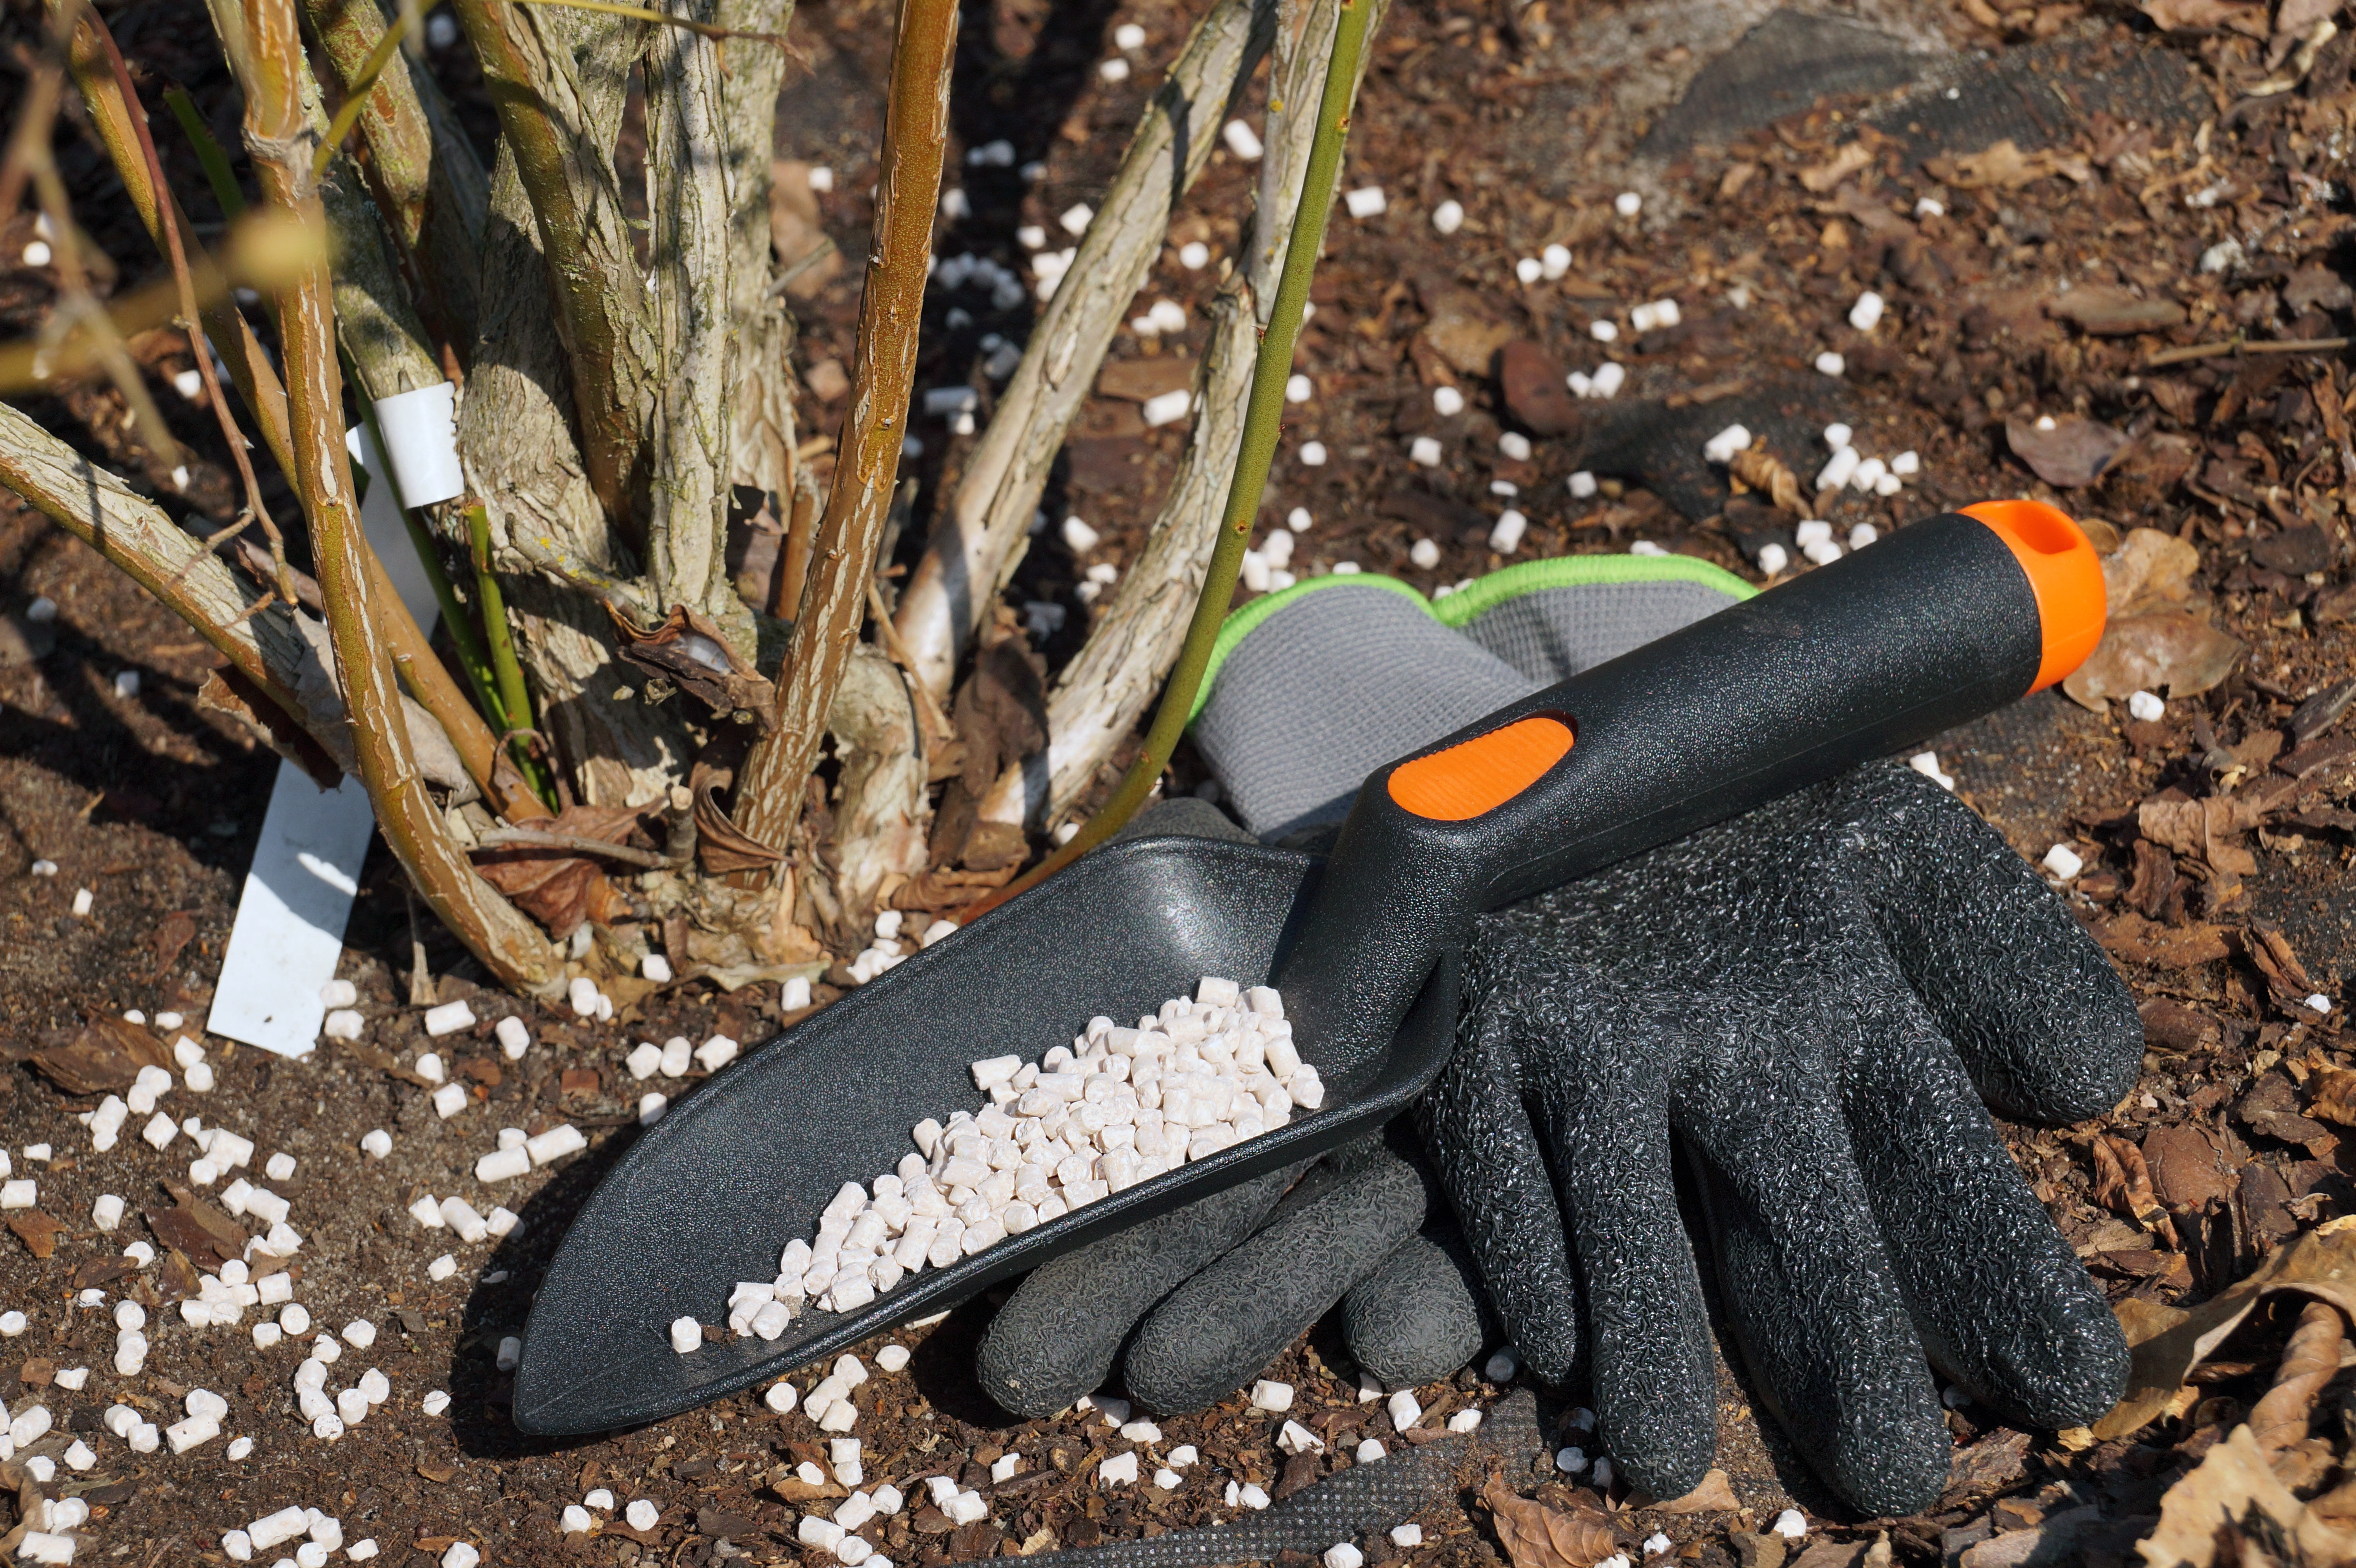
1927,629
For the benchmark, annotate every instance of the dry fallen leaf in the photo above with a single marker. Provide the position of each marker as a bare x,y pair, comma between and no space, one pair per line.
36,1231
2141,941
1844,163
2005,166
2167,1343
2171,651
2232,1484
1536,1536
1713,1496
555,887
2149,570
2115,313
2309,1360
2207,16
2071,452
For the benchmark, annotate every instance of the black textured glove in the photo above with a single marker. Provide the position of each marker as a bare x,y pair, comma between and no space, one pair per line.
1195,1303
1801,1002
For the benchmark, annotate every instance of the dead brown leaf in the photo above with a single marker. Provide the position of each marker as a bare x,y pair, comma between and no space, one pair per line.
2309,1360
689,651
2141,941
1715,1495
557,887
1141,381
2169,1343
2174,652
2123,1183
722,846
1531,380
2207,16
208,1237
103,1057
2235,1489
2005,166
1536,1536
1844,163
1462,333
2149,570
36,1231
2069,452
172,933
2115,313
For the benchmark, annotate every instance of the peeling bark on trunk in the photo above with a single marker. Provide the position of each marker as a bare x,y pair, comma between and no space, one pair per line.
881,825
691,290
515,432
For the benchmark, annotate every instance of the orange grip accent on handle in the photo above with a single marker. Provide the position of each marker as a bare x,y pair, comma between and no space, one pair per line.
2063,571
1482,774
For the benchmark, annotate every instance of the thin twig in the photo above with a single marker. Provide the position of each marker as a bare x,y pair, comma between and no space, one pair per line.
533,838
514,696
937,723
175,246
2178,355
1263,423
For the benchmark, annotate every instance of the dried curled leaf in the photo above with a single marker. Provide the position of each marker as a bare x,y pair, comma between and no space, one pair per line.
1536,1536
2234,1493
2309,1361
1762,471
1715,1495
689,651
558,889
2071,451
2172,651
720,845
2005,166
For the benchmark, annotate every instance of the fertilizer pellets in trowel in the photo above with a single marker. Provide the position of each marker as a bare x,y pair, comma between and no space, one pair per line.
1117,1107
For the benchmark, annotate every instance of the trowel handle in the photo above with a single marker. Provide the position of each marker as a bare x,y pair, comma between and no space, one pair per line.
1933,626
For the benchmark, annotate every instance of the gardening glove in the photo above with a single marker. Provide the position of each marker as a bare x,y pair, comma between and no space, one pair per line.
1195,1303
1809,1004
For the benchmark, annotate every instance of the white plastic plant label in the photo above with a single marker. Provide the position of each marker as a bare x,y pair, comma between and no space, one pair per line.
420,437
307,866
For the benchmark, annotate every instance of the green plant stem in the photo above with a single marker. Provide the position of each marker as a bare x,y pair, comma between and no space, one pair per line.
463,636
513,697
1263,426
215,162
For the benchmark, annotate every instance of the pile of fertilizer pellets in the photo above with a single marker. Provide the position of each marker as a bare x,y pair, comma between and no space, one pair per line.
1117,1107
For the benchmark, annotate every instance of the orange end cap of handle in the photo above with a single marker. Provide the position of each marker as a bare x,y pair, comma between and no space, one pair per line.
1482,774
2064,572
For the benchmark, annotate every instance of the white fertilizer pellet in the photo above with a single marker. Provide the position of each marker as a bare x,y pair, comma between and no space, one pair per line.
1407,1535
1791,1524
1342,1555
2143,706
1405,1410
1116,1107
1267,1394
449,1019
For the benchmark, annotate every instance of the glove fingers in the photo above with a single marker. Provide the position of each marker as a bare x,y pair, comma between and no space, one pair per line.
1655,1393
1055,1337
2038,1015
2001,1301
1496,1179
1220,1328
1806,1284
1417,1317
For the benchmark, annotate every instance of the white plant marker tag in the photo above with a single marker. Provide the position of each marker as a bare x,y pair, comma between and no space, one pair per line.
307,866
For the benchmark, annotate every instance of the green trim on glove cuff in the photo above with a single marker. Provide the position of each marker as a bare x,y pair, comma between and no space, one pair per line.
1486,594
